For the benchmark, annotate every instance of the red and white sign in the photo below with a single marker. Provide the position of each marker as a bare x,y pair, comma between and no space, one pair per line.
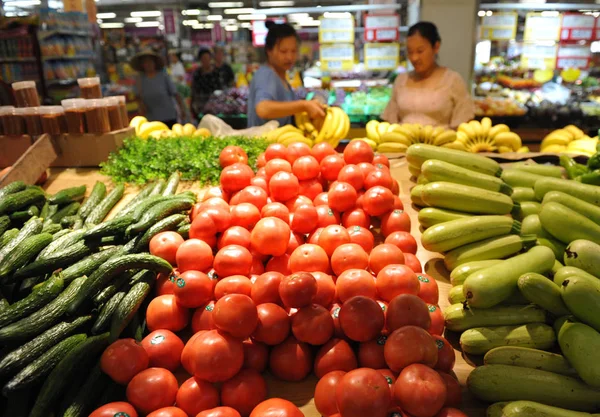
169,21
577,27
259,30
573,56
382,27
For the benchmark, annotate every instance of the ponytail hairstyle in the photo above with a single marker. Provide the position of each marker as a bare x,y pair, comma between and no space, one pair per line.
278,31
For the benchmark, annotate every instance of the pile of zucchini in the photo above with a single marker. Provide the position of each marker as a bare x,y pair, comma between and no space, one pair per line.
71,282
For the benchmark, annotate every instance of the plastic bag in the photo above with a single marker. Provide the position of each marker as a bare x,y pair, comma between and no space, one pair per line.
218,127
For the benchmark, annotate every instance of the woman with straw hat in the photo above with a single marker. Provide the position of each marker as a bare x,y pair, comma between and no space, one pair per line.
157,95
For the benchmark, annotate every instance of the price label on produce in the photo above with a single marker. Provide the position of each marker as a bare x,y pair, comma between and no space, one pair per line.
535,56
577,26
539,27
338,57
573,56
381,56
499,26
336,30
382,27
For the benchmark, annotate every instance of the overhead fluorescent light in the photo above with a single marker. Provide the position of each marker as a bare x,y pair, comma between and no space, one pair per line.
209,26
489,13
231,28
112,25
246,25
226,22
481,13
190,22
550,14
252,17
239,11
149,13
334,15
309,23
214,18
297,16
154,24
97,20
277,3
106,15
23,3
194,12
225,4
133,19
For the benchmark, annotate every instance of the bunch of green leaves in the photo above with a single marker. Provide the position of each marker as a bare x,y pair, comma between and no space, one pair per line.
195,158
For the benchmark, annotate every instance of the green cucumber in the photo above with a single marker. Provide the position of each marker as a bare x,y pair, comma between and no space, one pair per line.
13,187
45,210
490,286
14,202
23,216
159,187
68,195
455,295
521,194
122,281
100,212
430,216
89,264
465,198
60,243
69,221
568,271
533,409
516,299
435,170
518,178
51,228
95,197
28,352
543,292
585,255
172,184
584,208
32,227
82,404
23,253
539,169
102,322
184,230
145,205
532,225
7,237
4,304
586,192
42,366
130,304
62,259
68,210
529,358
480,340
159,212
415,195
168,223
417,154
131,206
495,410
460,274
459,317
579,343
43,318
582,297
52,209
34,301
60,376
111,227
526,208
4,224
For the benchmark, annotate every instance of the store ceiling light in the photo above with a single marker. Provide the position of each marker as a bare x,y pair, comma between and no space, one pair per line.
308,23
149,13
481,13
252,17
239,11
190,23
194,12
225,4
112,25
297,16
550,14
231,28
106,15
23,3
276,3
215,18
246,25
335,15
133,19
154,24
489,13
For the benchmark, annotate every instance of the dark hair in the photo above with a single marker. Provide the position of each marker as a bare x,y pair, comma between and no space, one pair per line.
202,52
278,31
427,30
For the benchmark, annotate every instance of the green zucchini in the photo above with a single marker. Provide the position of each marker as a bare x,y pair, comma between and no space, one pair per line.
23,253
579,343
459,317
68,195
172,184
100,212
62,259
159,187
495,410
168,223
122,281
23,216
102,322
89,264
480,340
430,216
47,292
586,192
534,409
68,210
568,225
42,366
521,194
69,221
51,228
529,358
519,178
130,304
589,210
7,237
581,295
82,404
460,274
543,292
539,169
95,197
61,375
113,267
13,187
144,205
43,318
112,227
59,244
32,227
184,230
28,352
14,202
159,211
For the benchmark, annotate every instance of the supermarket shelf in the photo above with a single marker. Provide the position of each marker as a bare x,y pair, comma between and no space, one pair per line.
61,58
63,82
17,59
45,35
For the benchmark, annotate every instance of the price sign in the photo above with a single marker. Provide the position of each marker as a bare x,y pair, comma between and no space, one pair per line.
576,27
382,28
336,30
259,30
538,56
382,56
573,56
542,28
499,26
337,57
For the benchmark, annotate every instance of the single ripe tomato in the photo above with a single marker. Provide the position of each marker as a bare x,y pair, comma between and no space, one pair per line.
325,393
322,199
370,353
335,355
164,349
428,289
379,177
279,264
113,409
446,357
331,166
384,255
321,150
358,151
377,201
325,289
236,315
219,412
341,196
216,356
273,324
366,168
253,195
327,216
235,177
256,355
297,150
276,209
194,254
407,310
404,241
275,150
220,216
304,219
124,359
355,282
296,239
168,412
232,154
395,221
408,345
216,192
203,318
332,237
312,324
203,227
381,159
453,390
310,188
244,391
270,236
232,260
245,215
362,236
152,389
413,263
352,175
361,318
420,391
235,235
266,288
165,245
309,258
276,407
306,167
349,256
394,280
298,290
283,186
196,395
164,313
234,284
356,217
363,392
193,289
291,360
437,320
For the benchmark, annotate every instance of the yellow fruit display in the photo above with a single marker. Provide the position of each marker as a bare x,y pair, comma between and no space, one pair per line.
136,122
482,136
559,139
332,129
204,132
395,137
147,128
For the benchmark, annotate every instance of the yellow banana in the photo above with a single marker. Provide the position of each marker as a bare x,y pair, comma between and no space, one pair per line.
325,129
396,137
426,134
341,124
462,137
391,147
554,148
477,130
297,139
382,128
508,139
136,122
407,130
189,129
499,128
392,127
505,149
346,120
455,145
147,128
523,149
277,133
558,137
177,129
467,129
575,131
445,137
289,135
486,125
372,131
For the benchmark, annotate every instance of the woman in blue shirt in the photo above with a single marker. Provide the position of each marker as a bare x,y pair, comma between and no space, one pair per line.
271,96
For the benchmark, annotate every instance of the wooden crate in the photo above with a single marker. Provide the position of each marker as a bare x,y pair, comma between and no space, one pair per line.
12,147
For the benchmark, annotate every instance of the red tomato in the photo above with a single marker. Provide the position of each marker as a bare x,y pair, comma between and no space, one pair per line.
187,355
349,256
165,245
215,202
361,318
325,289
235,177
395,221
308,258
277,165
384,255
256,355
194,254
325,393
220,216
260,160
260,180
257,266
306,168
327,216
231,155
332,237
341,196
235,235
335,355
321,150
356,217
304,219
266,288
381,159
276,210
233,260
322,199
296,202
335,314
245,215
358,151
164,349
450,412
297,150
390,377
215,192
394,280
168,412
355,282
291,360
164,313
379,177
219,412
363,237
244,391
196,395
453,390
446,357
270,236
203,227
275,150
279,264
377,201
253,195
352,175
276,407
193,289
310,188
152,389
363,392
370,354
113,409
404,241
203,318
366,168
235,284
298,290
283,186
165,283
408,345
413,263
312,324
437,320
428,289
313,238
236,315
216,356
420,391
296,239
273,324
408,310
124,359
331,166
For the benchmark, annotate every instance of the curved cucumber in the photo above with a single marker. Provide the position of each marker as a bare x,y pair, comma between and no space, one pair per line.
68,195
569,271
567,225
415,196
491,286
529,358
172,184
579,343
436,170
430,216
168,223
417,154
518,178
495,410
584,208
13,187
543,292
105,206
460,274
521,194
533,409
532,225
526,208
465,198
585,255
582,297
459,317
95,197
586,192
159,211
480,340
539,169
23,253
32,227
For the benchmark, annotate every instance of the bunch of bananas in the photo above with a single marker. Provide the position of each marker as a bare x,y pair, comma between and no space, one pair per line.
584,146
158,130
565,140
287,135
332,129
476,136
394,137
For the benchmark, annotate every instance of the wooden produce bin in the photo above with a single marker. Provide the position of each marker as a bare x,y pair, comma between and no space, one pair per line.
12,147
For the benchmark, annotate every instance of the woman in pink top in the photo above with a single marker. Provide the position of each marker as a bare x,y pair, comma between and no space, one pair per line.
431,94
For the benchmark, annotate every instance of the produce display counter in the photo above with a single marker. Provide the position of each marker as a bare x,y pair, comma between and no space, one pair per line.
301,393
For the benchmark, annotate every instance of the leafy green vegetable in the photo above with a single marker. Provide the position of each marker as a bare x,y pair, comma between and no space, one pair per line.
195,158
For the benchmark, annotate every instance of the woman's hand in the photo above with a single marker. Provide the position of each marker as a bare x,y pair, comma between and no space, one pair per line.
314,109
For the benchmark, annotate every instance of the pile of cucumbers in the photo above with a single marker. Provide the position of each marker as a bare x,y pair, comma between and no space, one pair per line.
71,282
505,235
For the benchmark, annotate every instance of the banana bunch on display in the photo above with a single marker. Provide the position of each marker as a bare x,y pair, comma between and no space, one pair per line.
560,140
394,137
476,136
289,134
158,130
332,129
585,146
